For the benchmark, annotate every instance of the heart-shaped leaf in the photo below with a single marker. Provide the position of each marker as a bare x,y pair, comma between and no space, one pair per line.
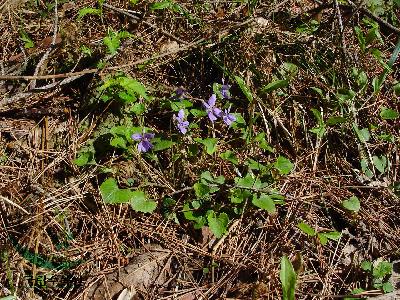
265,202
218,225
352,204
139,202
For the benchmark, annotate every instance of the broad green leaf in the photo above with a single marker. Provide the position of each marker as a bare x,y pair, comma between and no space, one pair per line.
331,235
283,165
352,204
245,182
133,86
388,113
380,163
366,266
363,134
198,112
255,165
229,156
274,85
118,142
139,202
307,229
83,159
245,89
345,95
11,297
209,143
88,11
387,287
138,108
201,189
260,138
335,120
218,225
264,202
178,105
382,269
288,278
111,194
161,144
161,5
239,195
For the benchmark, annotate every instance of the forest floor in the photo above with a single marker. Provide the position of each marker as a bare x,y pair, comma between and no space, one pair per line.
199,149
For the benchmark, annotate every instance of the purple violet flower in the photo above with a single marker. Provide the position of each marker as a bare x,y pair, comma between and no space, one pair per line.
227,117
225,90
181,123
212,111
179,92
144,144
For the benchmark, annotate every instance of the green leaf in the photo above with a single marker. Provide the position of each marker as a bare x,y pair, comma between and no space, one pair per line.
112,42
245,182
307,229
11,297
396,88
239,196
83,159
335,120
118,142
138,109
277,84
331,235
264,202
365,168
198,112
139,202
161,144
382,269
178,105
380,163
161,5
388,113
201,189
345,95
366,266
209,143
361,38
288,279
132,86
319,131
111,194
218,225
363,134
229,156
352,204
283,165
245,89
88,11
387,287
25,38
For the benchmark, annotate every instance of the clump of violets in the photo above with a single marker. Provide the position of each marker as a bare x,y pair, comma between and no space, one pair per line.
212,111
144,141
181,123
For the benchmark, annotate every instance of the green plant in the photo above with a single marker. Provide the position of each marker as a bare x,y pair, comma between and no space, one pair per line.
288,279
323,236
380,273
